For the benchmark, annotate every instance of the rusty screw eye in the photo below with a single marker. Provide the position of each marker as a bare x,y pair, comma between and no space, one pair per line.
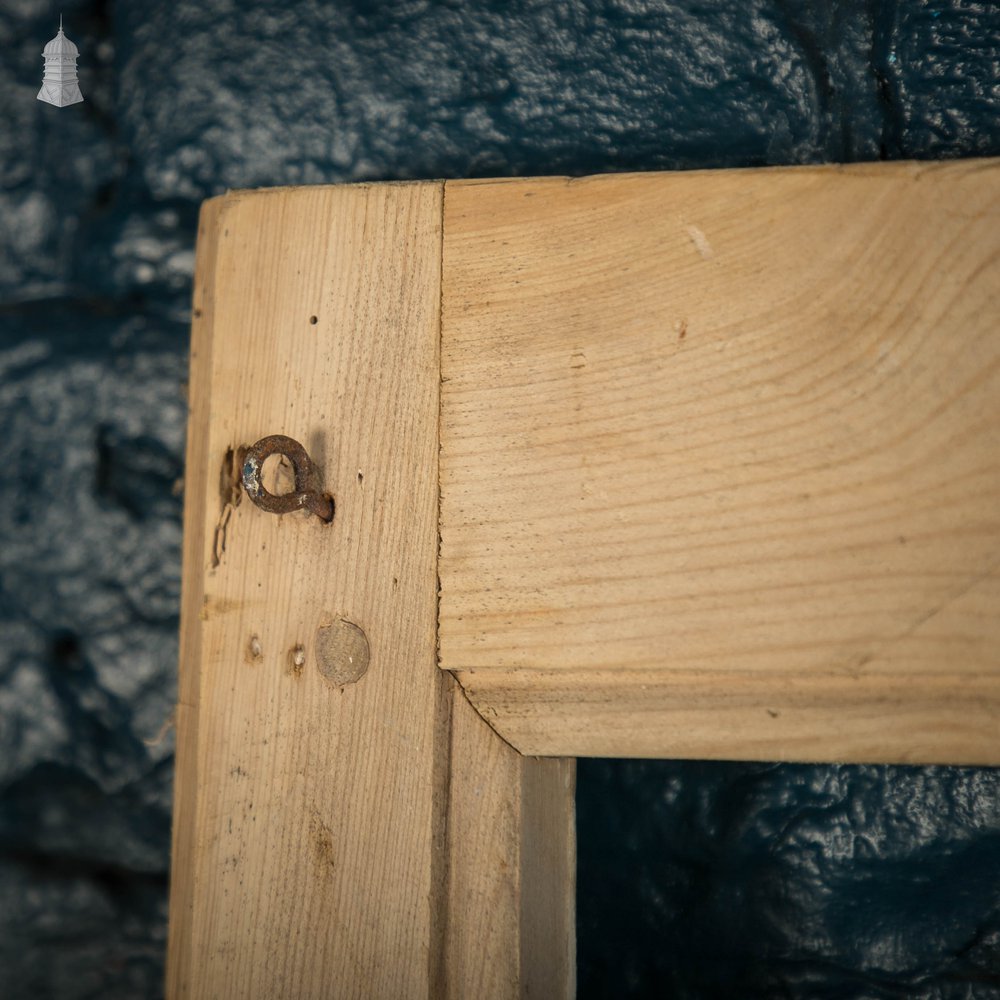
307,494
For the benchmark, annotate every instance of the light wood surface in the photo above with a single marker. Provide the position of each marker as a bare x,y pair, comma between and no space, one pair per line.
719,468
339,840
182,898
515,853
720,462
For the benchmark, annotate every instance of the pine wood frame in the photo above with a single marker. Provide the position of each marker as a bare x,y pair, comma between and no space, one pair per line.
691,465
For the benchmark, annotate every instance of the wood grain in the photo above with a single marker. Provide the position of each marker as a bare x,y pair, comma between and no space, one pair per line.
316,851
721,461
182,896
513,852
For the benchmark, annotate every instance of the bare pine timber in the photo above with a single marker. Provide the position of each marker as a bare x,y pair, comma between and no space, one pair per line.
719,468
721,462
375,839
182,898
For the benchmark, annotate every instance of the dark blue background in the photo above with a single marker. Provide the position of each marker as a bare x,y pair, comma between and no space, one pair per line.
695,880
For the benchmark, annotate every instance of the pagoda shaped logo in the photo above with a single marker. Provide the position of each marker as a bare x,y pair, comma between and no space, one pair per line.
59,84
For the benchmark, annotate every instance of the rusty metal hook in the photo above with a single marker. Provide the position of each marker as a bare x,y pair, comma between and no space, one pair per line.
307,494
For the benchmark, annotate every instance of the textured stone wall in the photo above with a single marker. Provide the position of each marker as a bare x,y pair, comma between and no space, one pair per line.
696,880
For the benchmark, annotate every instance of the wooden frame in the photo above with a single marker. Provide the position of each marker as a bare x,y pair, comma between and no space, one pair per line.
700,464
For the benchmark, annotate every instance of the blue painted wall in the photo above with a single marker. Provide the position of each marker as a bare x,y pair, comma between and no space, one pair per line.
696,880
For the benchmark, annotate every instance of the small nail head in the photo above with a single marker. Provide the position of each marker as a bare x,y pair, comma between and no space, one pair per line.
342,652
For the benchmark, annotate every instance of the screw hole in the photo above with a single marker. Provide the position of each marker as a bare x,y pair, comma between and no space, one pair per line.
314,320
333,507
